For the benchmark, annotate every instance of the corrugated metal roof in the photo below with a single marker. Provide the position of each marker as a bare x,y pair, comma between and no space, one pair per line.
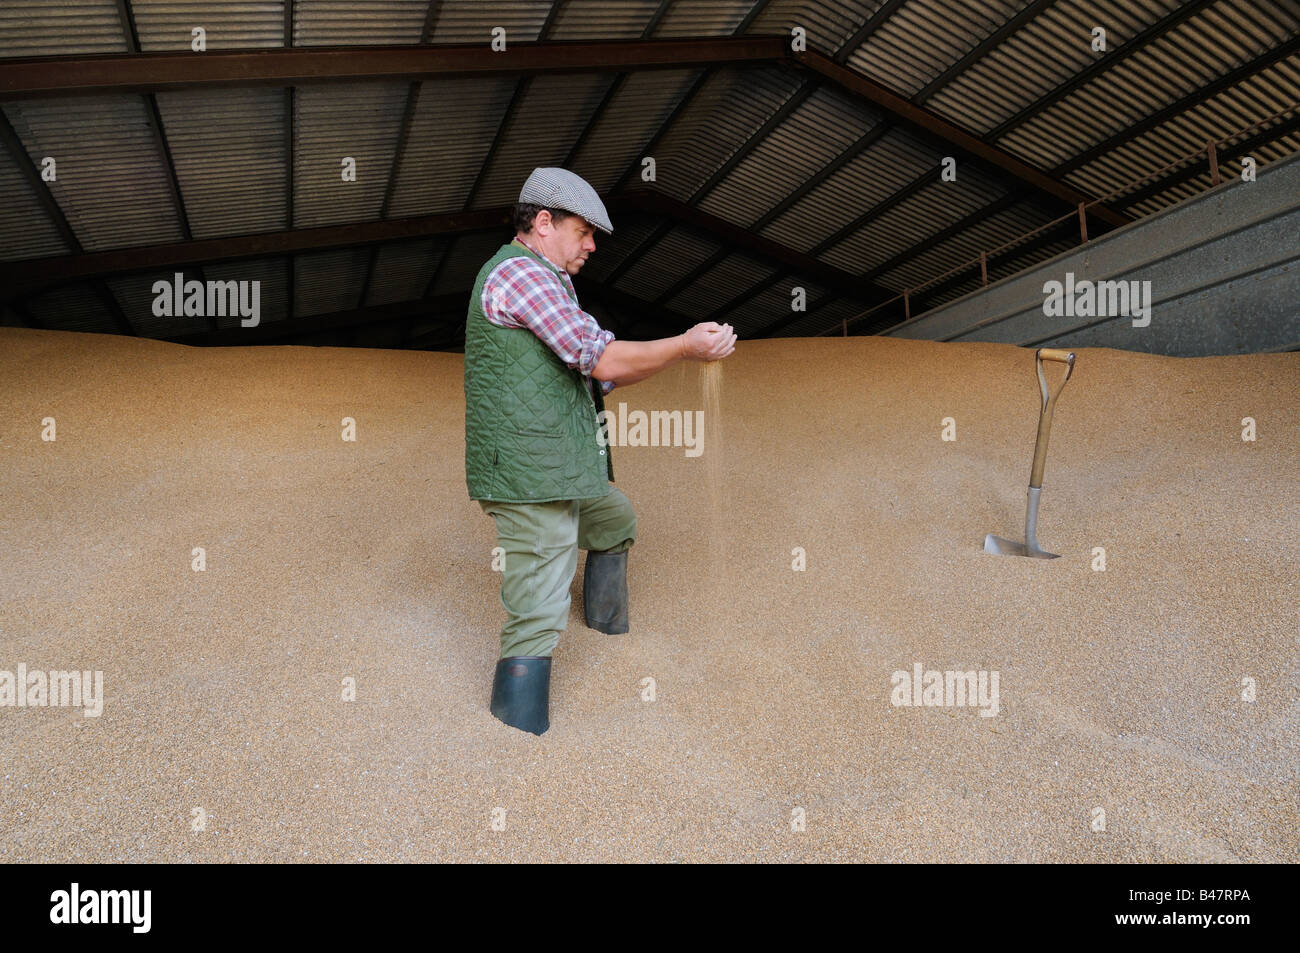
272,276
1189,131
923,38
869,179
551,114
228,149
1039,57
60,28
729,109
601,20
329,281
708,293
773,305
611,250
637,109
113,185
1185,59
452,129
228,25
465,259
815,322
472,21
703,18
665,264
349,23
26,231
333,122
908,223
135,295
402,270
72,308
828,25
814,134
989,234
228,146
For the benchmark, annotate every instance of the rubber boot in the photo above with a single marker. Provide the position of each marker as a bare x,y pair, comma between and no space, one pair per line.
604,590
521,692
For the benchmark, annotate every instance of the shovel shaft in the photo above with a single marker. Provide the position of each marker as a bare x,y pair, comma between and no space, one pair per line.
1045,411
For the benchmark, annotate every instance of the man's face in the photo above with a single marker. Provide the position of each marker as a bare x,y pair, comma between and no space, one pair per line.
567,242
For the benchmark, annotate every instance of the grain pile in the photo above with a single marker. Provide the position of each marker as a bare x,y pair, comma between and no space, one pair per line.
330,560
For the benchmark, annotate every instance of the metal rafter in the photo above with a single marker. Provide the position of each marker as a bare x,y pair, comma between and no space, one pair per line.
1008,28
745,240
291,278
797,99
27,168
936,127
953,230
1243,72
1190,101
873,135
400,312
1097,67
521,89
1194,169
522,85
878,294
127,16
25,277
873,23
853,151
669,121
612,89
31,77
978,51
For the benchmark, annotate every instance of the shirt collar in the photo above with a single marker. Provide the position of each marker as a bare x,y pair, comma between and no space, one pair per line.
548,261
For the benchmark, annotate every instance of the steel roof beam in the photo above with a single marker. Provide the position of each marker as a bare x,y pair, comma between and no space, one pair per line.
933,125
26,276
741,239
32,77
1099,66
376,315
1195,98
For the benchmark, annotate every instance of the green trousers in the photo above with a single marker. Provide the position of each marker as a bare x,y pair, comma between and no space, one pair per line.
540,542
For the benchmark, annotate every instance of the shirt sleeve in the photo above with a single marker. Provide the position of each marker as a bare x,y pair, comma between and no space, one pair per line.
522,293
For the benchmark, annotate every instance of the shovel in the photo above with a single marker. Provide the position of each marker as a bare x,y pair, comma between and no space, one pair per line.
1009,547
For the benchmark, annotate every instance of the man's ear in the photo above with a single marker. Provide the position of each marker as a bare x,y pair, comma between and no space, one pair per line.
538,221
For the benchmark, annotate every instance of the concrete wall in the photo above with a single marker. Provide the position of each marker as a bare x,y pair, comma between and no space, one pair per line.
1224,269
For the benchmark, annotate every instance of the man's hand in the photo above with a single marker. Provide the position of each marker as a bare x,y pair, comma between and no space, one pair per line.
627,362
708,341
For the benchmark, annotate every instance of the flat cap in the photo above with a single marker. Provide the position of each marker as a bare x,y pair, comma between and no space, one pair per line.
557,188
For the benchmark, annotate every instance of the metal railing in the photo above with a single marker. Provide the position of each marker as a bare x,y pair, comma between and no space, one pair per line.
1210,152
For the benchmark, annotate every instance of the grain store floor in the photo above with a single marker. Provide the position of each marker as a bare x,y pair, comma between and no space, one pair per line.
1119,690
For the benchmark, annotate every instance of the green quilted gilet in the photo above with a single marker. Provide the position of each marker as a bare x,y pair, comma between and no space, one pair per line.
530,421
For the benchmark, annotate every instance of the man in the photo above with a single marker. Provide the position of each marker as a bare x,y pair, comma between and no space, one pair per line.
533,460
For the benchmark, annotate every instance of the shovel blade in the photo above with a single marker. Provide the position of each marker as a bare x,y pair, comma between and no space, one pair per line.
1009,547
